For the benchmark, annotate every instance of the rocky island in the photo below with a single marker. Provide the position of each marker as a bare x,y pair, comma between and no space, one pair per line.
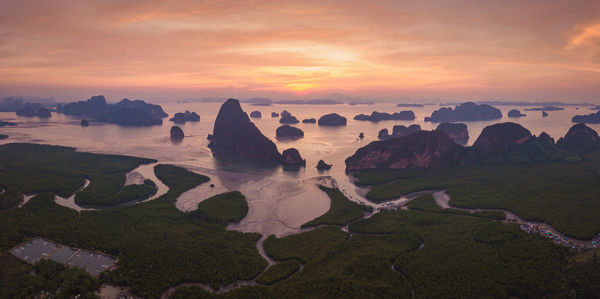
124,113
183,117
379,116
332,119
323,166
255,114
309,121
515,113
291,158
546,108
234,133
288,132
593,118
176,133
288,118
465,112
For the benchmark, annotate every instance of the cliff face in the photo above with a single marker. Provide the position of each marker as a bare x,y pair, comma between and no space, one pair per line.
582,138
421,149
291,157
457,131
499,138
235,133
465,112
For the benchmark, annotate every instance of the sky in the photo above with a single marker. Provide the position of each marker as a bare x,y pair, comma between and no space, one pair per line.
529,50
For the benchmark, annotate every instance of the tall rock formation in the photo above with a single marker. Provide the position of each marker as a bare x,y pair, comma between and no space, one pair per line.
235,133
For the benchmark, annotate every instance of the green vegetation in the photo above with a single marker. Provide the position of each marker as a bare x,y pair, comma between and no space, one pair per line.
50,277
222,208
279,271
371,177
32,168
554,192
471,257
6,123
178,177
390,254
341,211
426,202
338,266
2,136
158,246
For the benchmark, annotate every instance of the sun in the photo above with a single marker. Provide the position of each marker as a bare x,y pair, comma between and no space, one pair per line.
301,86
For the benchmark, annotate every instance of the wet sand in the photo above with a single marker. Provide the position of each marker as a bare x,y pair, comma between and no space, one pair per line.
70,202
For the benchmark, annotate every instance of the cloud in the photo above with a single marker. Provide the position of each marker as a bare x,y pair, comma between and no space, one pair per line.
277,48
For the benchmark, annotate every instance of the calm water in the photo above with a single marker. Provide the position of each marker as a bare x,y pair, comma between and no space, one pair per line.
279,200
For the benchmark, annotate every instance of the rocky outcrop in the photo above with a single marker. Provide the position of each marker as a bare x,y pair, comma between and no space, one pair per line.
398,131
287,131
544,113
274,114
544,137
235,133
84,122
255,114
361,135
457,131
379,116
383,134
26,112
582,138
2,136
332,119
593,118
465,112
183,117
91,108
547,108
43,113
125,112
515,113
291,157
421,149
323,166
499,138
155,111
309,121
287,118
176,133
130,117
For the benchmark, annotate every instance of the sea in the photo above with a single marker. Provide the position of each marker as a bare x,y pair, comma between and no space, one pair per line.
279,200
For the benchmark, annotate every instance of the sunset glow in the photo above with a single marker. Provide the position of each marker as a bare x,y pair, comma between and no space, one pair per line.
170,49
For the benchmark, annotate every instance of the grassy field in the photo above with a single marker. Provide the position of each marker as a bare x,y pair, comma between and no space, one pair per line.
559,194
341,211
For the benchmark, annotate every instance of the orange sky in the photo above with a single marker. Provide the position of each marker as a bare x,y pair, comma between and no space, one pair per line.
513,50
